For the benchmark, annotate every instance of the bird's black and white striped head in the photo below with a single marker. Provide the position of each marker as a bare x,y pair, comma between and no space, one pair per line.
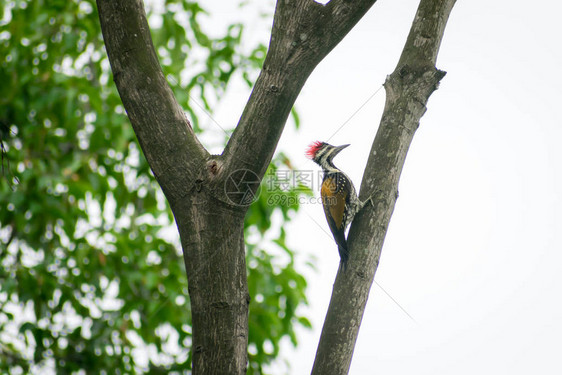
323,153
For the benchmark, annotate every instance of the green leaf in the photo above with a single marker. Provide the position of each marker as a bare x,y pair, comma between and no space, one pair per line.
296,118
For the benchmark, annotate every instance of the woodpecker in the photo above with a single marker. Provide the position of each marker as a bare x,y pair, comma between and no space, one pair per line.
339,198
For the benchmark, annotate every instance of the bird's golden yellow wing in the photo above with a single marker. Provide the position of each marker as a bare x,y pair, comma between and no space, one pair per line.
333,200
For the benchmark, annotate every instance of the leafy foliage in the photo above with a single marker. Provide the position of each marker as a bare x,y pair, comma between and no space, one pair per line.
91,273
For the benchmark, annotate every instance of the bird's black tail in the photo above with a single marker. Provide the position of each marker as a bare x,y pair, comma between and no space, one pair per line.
342,249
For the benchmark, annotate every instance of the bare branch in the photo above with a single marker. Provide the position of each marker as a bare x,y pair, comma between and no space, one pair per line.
303,33
164,133
408,89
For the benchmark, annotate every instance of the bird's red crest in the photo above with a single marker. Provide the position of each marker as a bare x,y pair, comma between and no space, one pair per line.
313,149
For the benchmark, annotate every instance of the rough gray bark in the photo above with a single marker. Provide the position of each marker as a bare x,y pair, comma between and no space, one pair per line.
209,223
408,89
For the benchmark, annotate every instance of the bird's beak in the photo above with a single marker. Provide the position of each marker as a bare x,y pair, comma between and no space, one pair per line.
339,148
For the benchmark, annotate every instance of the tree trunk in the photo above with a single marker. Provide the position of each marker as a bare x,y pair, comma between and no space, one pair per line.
408,89
212,236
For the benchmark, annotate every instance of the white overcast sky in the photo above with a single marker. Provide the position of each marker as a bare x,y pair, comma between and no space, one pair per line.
474,249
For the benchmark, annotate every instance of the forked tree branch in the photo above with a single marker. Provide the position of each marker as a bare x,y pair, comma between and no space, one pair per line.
164,133
303,33
408,89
